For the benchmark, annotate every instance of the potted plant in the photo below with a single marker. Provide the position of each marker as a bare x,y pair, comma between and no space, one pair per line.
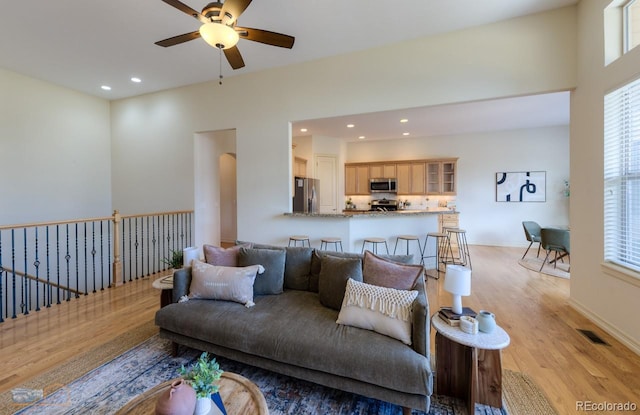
175,260
203,376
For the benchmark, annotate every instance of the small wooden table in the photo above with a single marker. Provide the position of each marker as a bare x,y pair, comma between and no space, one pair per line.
469,366
165,284
239,395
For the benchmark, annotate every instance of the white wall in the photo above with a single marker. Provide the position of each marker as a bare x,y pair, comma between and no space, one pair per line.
55,148
480,157
610,301
152,133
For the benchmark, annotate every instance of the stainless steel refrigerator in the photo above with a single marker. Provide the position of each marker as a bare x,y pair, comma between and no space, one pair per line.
306,195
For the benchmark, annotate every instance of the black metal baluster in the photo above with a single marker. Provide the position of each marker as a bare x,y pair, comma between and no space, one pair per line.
26,298
1,285
135,245
67,257
153,241
93,253
77,287
13,273
36,264
58,263
48,289
102,258
86,270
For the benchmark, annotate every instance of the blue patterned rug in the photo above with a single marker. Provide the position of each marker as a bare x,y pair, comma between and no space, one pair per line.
109,387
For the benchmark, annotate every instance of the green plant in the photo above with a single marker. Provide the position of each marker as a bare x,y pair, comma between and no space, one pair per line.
175,260
203,375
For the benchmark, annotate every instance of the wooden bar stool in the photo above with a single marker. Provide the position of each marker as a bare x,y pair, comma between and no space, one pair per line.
375,241
407,239
324,243
299,238
442,245
460,236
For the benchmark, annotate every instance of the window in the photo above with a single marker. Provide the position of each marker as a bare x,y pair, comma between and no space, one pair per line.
622,177
631,24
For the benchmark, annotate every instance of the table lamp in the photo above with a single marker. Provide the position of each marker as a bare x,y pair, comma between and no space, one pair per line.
457,281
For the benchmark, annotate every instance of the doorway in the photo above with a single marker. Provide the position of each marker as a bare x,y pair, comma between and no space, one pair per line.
228,199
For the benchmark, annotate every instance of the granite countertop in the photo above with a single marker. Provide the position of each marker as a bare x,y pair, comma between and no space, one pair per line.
368,214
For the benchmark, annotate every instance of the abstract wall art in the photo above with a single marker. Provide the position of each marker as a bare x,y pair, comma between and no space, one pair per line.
521,186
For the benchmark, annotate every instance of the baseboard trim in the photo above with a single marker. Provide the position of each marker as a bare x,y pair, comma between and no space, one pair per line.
606,326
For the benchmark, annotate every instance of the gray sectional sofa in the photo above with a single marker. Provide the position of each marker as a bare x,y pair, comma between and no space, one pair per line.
293,333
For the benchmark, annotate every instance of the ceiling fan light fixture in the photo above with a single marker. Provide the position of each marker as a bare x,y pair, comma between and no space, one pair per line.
219,35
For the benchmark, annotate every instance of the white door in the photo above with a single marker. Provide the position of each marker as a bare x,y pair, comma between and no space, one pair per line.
325,167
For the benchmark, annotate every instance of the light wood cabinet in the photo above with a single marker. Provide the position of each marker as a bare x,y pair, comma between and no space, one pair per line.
299,167
382,170
448,220
356,178
411,178
441,177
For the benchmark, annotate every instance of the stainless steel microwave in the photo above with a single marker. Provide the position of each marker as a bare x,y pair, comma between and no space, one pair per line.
383,185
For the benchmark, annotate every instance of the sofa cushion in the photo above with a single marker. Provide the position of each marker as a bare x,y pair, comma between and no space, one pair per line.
384,310
216,255
213,282
334,274
273,260
297,268
387,273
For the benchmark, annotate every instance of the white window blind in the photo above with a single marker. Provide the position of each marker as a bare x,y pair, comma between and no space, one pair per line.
622,176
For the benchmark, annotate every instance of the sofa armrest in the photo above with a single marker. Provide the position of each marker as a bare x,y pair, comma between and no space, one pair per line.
421,326
181,283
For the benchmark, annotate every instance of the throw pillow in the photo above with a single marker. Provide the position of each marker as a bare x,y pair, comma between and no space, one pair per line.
391,274
316,265
334,273
216,255
384,310
273,260
213,282
297,267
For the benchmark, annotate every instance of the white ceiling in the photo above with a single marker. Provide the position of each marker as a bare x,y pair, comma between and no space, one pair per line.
82,45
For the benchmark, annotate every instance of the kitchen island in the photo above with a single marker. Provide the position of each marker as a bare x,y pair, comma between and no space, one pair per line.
353,227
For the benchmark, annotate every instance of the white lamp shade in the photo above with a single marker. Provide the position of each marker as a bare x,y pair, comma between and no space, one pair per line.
457,280
219,35
188,255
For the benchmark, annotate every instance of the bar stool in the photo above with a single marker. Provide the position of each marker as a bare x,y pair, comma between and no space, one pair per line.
324,243
460,236
407,239
299,238
375,241
442,244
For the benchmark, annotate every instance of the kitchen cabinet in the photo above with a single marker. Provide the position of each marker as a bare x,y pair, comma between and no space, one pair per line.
356,178
299,167
441,177
382,170
411,178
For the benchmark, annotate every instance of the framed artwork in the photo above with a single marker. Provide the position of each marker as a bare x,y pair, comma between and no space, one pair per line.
521,186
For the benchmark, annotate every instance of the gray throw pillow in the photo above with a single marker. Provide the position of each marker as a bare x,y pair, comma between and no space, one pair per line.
297,268
272,280
316,265
334,274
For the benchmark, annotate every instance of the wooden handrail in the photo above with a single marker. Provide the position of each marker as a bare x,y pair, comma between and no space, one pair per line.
61,222
33,278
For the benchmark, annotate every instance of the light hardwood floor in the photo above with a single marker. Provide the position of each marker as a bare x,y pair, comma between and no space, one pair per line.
533,308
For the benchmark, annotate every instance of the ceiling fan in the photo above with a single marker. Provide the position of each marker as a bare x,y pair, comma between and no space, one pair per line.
220,31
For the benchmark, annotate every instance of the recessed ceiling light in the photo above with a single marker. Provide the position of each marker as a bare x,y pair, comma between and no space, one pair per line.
405,133
136,80
404,120
361,137
304,130
106,87
350,125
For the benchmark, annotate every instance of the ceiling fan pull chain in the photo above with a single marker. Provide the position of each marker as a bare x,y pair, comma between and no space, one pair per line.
220,60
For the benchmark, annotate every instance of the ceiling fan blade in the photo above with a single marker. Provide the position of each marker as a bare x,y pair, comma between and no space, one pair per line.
176,40
233,8
234,57
265,36
186,9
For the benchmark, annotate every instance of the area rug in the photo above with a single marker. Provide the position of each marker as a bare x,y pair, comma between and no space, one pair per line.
561,269
112,385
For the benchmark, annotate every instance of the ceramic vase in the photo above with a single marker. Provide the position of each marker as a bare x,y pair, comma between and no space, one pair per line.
486,321
203,406
178,399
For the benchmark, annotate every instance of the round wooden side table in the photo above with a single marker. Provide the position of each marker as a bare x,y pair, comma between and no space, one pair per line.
165,284
239,395
469,366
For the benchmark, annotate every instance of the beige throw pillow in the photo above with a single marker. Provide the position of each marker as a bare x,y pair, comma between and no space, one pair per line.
214,282
386,273
384,310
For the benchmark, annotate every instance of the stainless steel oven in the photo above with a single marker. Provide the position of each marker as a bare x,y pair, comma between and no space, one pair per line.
383,185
